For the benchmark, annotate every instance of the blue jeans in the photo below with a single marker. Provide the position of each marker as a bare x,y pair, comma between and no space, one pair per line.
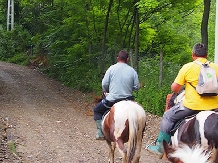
173,115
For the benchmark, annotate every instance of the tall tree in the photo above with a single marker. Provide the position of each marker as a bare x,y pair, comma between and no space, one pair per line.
104,36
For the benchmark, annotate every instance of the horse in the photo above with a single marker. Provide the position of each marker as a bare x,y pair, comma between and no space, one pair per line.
186,154
199,129
125,122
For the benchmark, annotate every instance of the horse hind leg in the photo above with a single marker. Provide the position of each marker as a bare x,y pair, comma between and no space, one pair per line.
111,146
122,150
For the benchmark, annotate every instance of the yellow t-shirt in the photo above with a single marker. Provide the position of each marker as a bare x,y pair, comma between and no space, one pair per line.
189,74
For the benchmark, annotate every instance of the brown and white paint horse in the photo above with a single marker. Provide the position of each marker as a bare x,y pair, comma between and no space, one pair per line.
125,122
200,130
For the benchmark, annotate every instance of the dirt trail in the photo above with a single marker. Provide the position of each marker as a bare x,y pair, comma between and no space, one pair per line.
48,121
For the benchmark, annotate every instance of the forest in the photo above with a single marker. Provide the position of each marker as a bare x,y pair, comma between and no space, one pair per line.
76,41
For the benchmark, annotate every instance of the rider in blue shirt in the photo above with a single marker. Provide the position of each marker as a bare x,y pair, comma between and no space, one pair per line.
119,82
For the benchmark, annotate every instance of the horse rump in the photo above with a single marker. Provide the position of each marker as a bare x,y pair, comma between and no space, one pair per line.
125,122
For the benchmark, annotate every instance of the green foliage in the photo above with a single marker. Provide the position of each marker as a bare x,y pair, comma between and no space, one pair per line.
152,96
146,36
21,59
72,74
211,31
13,42
74,68
12,147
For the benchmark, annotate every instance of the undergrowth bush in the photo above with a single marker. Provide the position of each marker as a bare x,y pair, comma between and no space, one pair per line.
14,42
75,73
21,59
152,96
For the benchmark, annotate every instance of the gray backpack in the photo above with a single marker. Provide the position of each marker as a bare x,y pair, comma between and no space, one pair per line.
207,80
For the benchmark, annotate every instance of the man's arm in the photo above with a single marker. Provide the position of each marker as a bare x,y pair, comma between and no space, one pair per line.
106,82
136,85
176,87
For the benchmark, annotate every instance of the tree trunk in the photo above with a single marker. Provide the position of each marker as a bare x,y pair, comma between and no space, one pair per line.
136,37
204,23
104,37
131,57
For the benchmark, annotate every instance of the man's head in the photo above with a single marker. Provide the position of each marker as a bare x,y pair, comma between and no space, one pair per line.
123,56
199,50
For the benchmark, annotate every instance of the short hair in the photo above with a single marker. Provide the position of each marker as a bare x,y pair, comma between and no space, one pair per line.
199,50
123,55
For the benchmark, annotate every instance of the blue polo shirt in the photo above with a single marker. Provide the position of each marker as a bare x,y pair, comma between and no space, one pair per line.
120,80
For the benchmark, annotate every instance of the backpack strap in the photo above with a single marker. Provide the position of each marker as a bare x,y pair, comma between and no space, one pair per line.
202,64
192,85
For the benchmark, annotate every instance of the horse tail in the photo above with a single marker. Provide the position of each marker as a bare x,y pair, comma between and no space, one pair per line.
133,126
136,128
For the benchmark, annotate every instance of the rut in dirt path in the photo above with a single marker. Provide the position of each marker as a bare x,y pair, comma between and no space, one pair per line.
48,121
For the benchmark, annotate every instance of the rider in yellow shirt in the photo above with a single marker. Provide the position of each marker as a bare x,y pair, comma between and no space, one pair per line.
188,75
192,103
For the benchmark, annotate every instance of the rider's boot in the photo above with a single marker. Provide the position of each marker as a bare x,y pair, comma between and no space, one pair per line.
158,148
99,135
